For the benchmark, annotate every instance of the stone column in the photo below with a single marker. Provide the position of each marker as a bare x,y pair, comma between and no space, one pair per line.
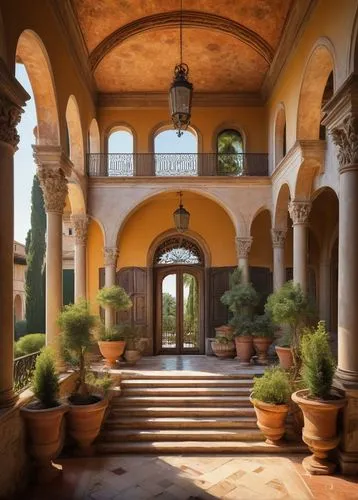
278,243
243,246
325,292
80,225
54,186
299,213
9,118
110,262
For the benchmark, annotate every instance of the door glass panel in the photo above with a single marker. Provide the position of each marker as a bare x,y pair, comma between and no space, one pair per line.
190,312
169,312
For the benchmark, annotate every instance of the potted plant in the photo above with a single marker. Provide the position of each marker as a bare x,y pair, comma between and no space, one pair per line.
263,337
289,306
270,397
111,341
133,350
319,403
284,350
86,410
223,347
241,300
44,416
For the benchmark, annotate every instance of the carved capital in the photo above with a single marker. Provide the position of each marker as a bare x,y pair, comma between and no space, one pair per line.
10,115
110,256
243,246
278,238
345,137
299,211
80,225
54,186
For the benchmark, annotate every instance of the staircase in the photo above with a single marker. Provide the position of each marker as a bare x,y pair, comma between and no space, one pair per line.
165,413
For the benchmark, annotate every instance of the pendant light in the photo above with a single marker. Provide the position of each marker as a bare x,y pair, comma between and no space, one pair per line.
181,216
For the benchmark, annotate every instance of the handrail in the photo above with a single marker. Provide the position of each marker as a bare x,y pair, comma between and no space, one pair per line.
23,370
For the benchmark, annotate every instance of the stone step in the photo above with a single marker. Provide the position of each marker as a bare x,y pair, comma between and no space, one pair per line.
180,423
186,391
247,373
159,447
181,401
212,435
174,411
189,383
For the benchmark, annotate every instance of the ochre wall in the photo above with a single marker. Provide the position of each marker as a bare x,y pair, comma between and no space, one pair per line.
95,260
261,248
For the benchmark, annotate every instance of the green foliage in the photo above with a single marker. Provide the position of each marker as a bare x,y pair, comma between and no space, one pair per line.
318,365
286,338
168,312
35,256
113,333
263,326
273,387
101,382
222,340
229,147
114,296
33,342
45,384
20,329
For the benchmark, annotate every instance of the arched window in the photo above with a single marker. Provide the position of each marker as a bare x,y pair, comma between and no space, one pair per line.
120,153
176,155
178,250
230,148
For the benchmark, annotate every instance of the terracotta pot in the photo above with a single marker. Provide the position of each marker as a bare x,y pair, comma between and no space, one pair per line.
142,344
244,348
46,433
285,356
223,350
270,419
224,331
132,356
111,351
320,430
84,423
261,345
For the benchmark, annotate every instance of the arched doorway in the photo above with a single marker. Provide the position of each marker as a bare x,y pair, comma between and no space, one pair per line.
179,296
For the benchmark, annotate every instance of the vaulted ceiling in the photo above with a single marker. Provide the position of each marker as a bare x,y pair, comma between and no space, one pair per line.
133,46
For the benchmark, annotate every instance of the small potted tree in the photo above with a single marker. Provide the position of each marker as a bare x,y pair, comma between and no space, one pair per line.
270,397
223,346
86,410
319,403
284,350
133,351
44,416
263,336
111,341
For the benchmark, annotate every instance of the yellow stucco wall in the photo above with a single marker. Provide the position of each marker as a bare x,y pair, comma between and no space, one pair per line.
95,261
261,248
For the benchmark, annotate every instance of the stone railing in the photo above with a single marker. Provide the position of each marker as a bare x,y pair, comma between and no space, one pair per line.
23,369
172,164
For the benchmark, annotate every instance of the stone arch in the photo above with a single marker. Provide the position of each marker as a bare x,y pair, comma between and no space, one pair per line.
257,213
76,197
75,134
94,137
279,134
120,127
281,208
319,66
167,125
229,126
18,308
352,63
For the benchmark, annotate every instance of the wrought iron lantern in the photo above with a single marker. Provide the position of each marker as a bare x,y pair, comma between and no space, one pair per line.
181,217
181,90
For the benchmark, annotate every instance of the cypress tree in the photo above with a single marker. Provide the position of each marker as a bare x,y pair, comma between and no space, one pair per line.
35,275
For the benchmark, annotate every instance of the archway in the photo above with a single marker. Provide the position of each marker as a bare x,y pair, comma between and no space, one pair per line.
94,137
75,135
174,155
18,308
120,147
230,148
280,135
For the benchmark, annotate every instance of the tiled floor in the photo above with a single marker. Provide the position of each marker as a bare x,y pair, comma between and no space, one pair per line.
192,478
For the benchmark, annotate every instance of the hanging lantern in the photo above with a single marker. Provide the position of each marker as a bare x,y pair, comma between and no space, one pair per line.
181,217
181,90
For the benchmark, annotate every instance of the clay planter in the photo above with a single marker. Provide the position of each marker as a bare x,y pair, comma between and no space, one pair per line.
46,435
111,351
84,423
261,345
320,430
285,356
223,350
224,331
244,348
132,356
270,420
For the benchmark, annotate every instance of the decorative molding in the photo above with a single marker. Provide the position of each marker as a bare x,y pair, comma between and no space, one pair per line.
54,186
80,225
190,19
343,103
243,247
299,211
110,256
345,138
10,115
52,157
294,27
132,100
278,238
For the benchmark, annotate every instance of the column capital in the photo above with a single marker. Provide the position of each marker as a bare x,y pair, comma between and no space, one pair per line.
110,256
54,186
243,246
299,211
80,225
10,115
278,238
345,137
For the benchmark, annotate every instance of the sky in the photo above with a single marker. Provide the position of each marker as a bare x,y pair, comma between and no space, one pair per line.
24,166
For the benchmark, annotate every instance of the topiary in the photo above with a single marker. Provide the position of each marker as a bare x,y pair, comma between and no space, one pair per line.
273,387
263,326
318,364
45,384
33,342
114,296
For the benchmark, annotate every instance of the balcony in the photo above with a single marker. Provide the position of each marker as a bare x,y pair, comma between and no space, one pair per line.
175,164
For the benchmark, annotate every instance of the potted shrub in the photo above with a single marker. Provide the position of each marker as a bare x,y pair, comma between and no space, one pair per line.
44,416
241,300
284,350
86,410
111,341
223,347
270,397
133,350
263,335
319,403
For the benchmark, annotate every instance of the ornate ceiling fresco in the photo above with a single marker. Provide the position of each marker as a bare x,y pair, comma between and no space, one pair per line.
228,44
